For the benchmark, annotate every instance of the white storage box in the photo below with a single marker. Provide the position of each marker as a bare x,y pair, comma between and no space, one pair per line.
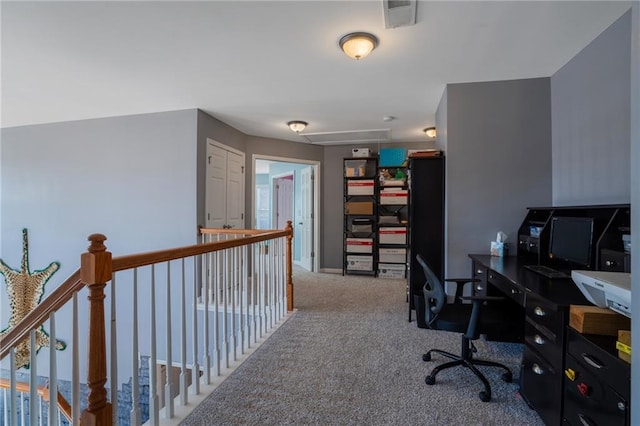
392,255
360,187
391,196
361,152
360,263
390,270
393,235
359,245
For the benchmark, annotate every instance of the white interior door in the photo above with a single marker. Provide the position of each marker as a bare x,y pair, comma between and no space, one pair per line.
305,226
283,201
225,187
235,190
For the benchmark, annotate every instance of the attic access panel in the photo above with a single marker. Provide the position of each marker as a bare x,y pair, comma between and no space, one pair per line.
348,137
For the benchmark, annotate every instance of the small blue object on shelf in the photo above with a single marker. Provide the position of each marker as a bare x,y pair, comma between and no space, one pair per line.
392,157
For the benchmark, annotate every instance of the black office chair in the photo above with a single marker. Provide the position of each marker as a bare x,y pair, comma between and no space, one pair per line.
471,319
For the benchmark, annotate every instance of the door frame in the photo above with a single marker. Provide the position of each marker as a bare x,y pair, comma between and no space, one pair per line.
315,265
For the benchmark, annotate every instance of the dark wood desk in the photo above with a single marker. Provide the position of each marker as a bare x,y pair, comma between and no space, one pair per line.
542,326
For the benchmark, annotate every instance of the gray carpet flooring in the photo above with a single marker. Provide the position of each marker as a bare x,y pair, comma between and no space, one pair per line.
349,356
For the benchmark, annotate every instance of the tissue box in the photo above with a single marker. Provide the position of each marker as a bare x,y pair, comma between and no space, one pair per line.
499,249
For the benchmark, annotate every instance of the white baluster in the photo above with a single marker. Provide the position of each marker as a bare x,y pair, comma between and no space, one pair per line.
234,283
33,380
22,419
168,398
75,360
216,267
13,396
244,305
206,262
195,368
53,372
184,398
134,414
153,361
225,286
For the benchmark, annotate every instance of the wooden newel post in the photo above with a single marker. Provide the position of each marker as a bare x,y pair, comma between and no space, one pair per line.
95,271
289,229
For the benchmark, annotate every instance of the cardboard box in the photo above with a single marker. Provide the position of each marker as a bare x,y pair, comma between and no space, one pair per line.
360,245
596,320
392,255
360,263
394,197
358,207
392,235
360,187
624,345
390,270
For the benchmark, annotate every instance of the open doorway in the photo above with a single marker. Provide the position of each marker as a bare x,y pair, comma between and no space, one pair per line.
287,189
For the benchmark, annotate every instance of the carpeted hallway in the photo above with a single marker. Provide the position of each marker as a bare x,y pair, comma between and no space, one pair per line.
349,356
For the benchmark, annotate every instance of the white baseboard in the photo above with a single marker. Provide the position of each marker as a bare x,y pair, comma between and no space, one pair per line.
331,270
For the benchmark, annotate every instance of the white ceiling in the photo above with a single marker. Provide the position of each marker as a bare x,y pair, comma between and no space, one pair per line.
257,64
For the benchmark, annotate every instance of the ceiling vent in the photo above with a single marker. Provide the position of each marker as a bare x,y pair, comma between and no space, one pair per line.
399,13
355,136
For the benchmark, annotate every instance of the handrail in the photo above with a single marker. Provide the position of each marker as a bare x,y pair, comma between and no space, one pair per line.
96,269
43,391
58,297
63,293
143,259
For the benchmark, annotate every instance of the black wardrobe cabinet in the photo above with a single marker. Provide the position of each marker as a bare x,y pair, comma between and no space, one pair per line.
426,225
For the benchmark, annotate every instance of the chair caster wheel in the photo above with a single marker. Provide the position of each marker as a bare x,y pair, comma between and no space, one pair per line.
426,357
485,396
430,380
507,377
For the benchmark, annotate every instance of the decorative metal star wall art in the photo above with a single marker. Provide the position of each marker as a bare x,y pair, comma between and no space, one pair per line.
25,290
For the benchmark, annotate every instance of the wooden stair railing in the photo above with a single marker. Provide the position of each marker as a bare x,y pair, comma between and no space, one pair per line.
43,392
97,268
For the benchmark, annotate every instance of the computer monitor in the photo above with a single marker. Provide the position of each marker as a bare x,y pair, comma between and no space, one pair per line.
571,239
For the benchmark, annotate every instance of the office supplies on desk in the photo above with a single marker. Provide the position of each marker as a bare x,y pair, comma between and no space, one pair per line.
547,272
606,289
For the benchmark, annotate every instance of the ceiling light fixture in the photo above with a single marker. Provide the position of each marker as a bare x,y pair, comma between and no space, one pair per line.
358,45
297,125
430,132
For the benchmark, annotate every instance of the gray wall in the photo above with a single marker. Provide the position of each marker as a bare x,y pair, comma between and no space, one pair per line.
130,178
590,100
635,202
332,188
498,162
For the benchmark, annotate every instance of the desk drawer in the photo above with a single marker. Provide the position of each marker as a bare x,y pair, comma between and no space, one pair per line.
595,360
549,347
506,287
480,272
541,386
587,400
546,317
